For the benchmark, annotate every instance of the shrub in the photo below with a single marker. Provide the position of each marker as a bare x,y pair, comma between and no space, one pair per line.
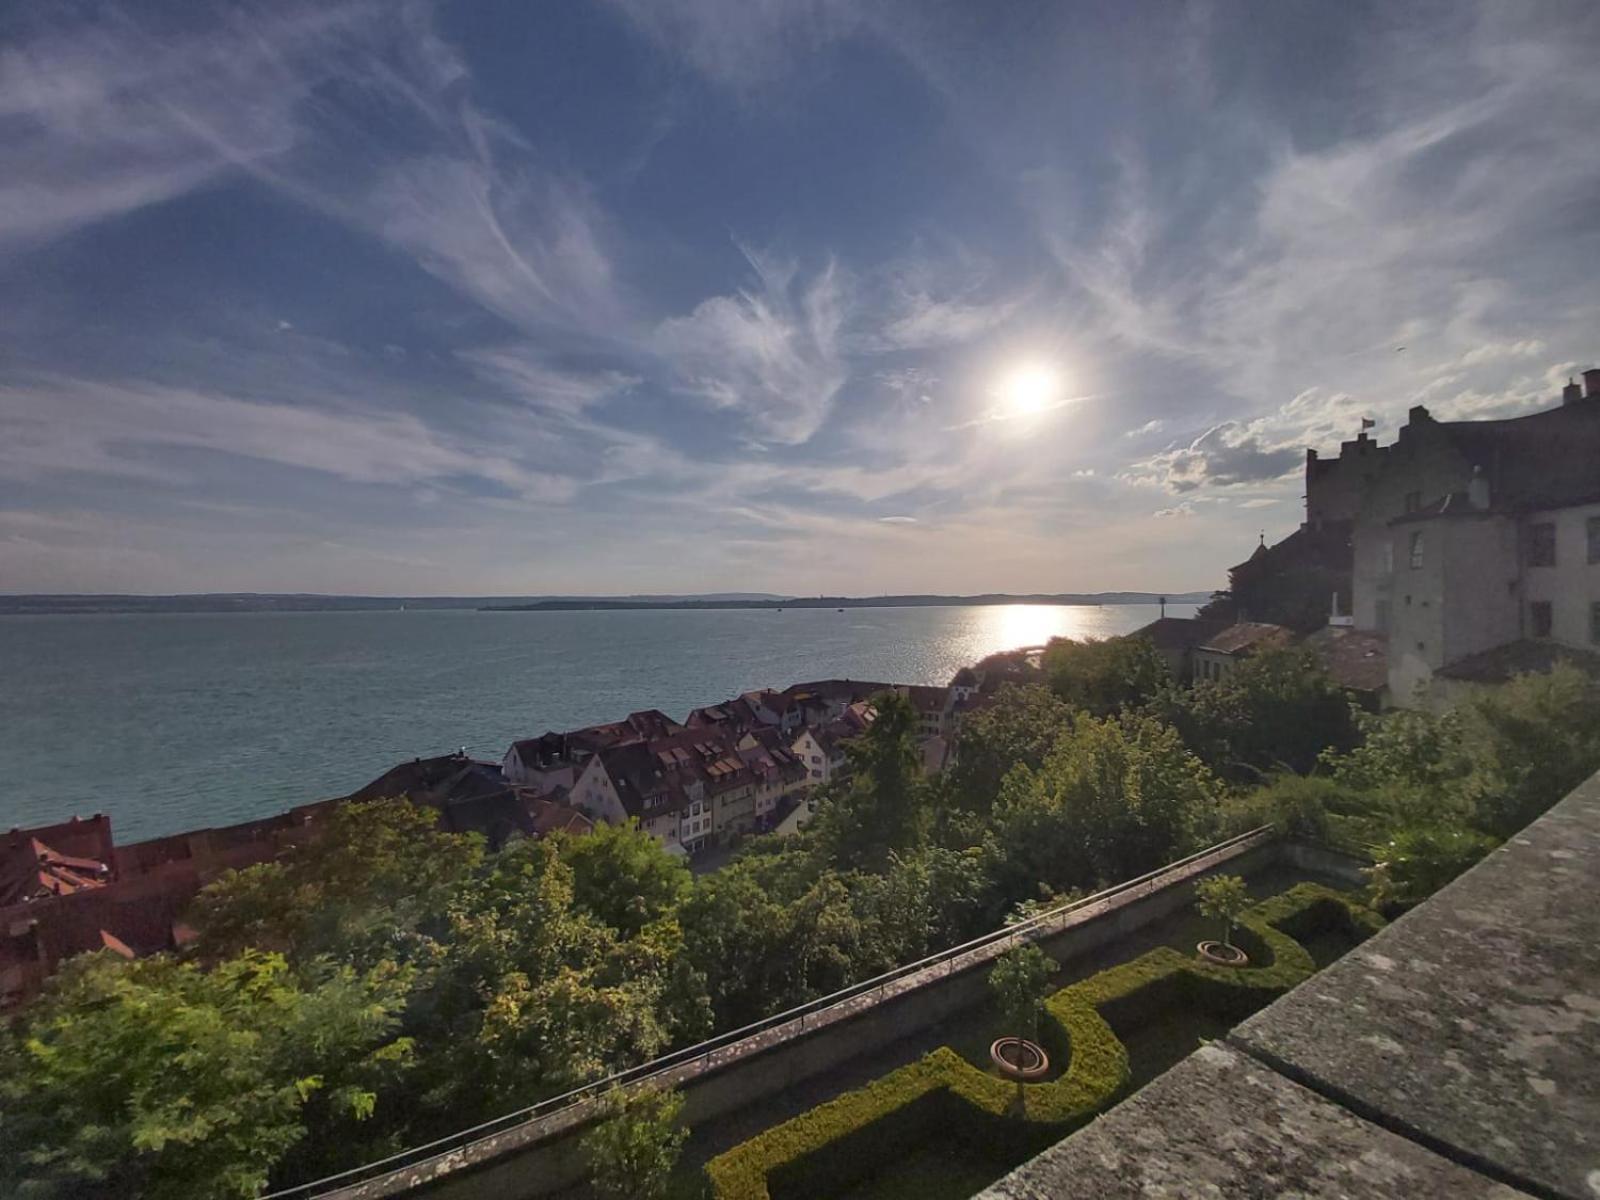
1415,863
825,1150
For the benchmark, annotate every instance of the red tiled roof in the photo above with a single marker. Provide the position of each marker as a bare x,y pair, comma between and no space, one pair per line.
31,870
1178,633
1526,656
1248,636
1357,659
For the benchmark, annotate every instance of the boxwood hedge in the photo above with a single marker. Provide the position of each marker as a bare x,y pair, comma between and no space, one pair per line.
825,1150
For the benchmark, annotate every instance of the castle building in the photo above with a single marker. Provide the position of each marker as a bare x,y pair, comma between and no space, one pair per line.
1474,545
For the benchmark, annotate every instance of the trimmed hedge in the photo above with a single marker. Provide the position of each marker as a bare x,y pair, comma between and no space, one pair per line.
822,1151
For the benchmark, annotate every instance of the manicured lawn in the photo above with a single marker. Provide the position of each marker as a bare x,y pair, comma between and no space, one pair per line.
1167,1041
941,1170
1328,945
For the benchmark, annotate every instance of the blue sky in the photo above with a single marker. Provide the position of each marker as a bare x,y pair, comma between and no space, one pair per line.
695,295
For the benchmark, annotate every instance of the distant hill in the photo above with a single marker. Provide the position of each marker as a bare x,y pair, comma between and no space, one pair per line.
921,601
225,602
247,602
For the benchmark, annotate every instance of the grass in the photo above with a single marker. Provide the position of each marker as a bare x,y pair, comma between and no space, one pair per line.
940,1170
1165,1041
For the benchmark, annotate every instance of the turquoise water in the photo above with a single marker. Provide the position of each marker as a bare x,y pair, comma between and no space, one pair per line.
175,722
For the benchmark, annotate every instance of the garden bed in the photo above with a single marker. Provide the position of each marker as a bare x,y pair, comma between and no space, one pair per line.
1163,1003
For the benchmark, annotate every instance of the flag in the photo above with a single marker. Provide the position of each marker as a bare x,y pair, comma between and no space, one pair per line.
1367,422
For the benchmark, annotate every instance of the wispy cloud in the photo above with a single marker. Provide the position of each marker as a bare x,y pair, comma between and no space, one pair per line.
74,425
770,352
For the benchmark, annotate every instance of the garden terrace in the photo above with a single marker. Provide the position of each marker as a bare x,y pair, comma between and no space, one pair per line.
944,1099
1452,1054
794,1060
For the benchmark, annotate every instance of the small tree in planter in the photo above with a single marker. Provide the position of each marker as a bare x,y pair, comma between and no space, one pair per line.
1019,980
1223,898
634,1148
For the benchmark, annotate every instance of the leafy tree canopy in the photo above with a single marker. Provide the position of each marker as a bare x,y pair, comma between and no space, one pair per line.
1105,676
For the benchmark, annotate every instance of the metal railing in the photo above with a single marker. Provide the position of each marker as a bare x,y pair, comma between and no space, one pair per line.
1032,929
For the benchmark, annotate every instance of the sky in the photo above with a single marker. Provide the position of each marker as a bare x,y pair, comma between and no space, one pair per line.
759,295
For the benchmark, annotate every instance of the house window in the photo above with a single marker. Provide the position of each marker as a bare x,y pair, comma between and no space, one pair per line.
1416,549
1542,544
1413,501
1388,558
1539,617
1594,622
1594,539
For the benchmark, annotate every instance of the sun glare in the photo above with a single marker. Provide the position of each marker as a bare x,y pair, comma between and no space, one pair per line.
1029,389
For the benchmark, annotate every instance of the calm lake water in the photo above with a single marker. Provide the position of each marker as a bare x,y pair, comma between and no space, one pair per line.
176,722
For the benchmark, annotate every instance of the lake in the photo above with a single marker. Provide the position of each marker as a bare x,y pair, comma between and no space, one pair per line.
180,721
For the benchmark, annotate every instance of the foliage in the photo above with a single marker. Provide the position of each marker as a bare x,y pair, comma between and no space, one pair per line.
1019,980
1104,676
474,983
158,1079
1296,806
825,1150
1491,765
635,1145
371,869
1277,710
882,809
1018,727
1528,744
1415,863
526,995
623,876
1116,797
1402,749
1222,898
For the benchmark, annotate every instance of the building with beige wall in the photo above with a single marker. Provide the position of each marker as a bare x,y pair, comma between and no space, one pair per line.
1470,537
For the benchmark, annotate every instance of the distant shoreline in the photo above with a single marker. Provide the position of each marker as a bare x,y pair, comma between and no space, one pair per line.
842,602
251,602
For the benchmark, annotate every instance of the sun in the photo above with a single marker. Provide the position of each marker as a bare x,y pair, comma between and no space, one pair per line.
1029,389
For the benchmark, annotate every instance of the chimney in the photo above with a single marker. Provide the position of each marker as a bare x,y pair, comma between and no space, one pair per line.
1591,383
1418,414
1572,393
1478,490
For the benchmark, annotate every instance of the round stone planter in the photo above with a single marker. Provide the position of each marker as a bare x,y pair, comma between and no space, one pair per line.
1018,1058
1222,954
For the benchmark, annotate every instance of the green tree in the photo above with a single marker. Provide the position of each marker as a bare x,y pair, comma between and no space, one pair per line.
770,931
1278,710
1222,898
1019,981
366,875
623,876
633,1149
1115,798
882,808
1105,676
1414,863
525,995
158,1079
1019,726
1528,743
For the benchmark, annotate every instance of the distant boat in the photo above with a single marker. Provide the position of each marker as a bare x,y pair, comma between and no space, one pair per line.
839,610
